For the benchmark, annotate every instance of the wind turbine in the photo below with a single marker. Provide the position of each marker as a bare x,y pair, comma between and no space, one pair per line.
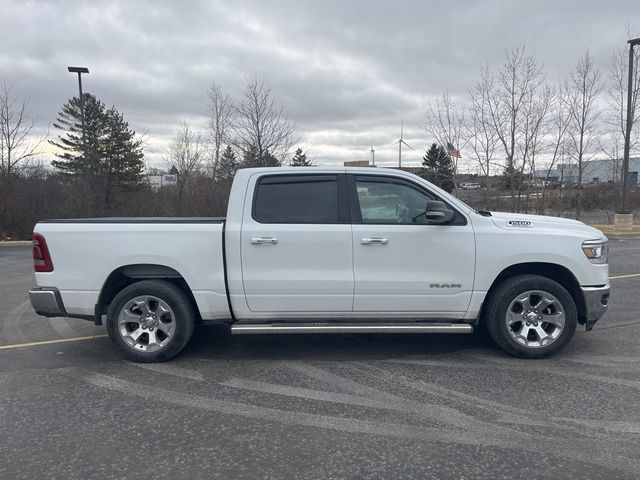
399,143
373,155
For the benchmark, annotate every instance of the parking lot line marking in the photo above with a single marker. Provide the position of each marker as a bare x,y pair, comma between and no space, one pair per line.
625,276
50,342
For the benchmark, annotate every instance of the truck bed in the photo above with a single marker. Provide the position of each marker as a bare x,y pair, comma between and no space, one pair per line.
87,252
138,220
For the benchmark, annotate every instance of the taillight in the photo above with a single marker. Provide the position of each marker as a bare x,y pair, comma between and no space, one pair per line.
41,258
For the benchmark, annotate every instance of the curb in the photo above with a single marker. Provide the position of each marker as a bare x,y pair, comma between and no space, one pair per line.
622,234
15,243
609,230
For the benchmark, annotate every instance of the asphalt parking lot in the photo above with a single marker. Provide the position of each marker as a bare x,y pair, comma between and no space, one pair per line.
344,406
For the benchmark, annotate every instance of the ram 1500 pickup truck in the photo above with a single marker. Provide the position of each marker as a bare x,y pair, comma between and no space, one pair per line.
326,250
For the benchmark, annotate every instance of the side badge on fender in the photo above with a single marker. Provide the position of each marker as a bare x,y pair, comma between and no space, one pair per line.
445,285
520,223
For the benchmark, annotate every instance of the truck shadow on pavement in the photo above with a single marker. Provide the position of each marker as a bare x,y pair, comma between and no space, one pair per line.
217,342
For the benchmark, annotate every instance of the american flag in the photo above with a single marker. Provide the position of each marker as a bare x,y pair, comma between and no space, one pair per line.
453,151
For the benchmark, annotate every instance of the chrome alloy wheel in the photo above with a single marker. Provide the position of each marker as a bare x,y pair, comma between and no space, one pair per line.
146,323
535,319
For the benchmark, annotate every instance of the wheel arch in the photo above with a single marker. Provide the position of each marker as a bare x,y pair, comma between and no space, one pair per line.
552,271
126,275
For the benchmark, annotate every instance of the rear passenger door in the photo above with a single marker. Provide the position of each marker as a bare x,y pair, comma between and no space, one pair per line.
296,245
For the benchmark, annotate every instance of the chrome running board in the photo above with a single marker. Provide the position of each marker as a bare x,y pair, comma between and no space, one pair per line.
266,328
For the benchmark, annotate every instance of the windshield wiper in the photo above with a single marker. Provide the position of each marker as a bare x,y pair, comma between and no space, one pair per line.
483,212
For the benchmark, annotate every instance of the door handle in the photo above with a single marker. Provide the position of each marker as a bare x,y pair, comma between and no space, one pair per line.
264,240
373,241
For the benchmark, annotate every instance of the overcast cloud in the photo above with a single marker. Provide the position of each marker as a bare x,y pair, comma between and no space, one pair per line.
348,72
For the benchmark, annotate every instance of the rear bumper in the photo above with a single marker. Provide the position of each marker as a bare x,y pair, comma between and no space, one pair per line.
596,302
47,301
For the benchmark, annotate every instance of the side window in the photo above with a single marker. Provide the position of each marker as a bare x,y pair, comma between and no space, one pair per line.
296,199
385,200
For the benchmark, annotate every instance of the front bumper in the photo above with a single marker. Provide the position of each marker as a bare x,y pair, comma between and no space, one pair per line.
47,301
596,301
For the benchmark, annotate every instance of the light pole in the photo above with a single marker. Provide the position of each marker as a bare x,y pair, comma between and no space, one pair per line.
80,71
627,137
624,217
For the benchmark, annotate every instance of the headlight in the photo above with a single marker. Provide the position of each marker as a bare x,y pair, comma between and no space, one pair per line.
596,251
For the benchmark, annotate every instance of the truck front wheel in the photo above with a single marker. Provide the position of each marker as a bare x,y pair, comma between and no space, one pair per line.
150,320
530,316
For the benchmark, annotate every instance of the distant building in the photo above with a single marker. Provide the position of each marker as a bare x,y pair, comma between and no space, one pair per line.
594,171
357,163
414,170
164,180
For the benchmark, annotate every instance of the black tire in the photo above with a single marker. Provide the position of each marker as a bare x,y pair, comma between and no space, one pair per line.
495,315
182,316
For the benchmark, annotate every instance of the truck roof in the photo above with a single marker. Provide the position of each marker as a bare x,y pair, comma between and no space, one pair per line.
247,172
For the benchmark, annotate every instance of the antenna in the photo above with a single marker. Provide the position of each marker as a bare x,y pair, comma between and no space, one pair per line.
400,143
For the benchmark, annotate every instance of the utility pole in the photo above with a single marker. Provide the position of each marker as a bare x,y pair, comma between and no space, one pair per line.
80,71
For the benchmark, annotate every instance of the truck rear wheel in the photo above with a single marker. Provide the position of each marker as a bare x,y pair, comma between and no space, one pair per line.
531,316
150,320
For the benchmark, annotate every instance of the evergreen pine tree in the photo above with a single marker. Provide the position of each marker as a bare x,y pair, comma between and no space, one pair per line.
269,160
121,163
80,157
511,178
253,158
438,167
108,160
300,159
227,165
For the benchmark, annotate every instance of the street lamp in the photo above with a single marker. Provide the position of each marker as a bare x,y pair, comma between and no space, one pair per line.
80,71
625,210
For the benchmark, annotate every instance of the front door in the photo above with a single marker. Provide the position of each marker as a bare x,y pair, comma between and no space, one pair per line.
403,265
296,246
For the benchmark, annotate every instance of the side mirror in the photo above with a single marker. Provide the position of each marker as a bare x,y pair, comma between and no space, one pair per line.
438,213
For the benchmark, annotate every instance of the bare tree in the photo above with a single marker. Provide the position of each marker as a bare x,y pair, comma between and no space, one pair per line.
516,85
186,156
220,114
17,144
556,140
261,123
582,89
536,126
480,134
445,123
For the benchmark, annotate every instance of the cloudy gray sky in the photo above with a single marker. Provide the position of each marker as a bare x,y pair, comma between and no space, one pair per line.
348,71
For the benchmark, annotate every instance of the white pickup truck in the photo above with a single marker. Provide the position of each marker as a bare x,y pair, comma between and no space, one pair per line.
315,250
